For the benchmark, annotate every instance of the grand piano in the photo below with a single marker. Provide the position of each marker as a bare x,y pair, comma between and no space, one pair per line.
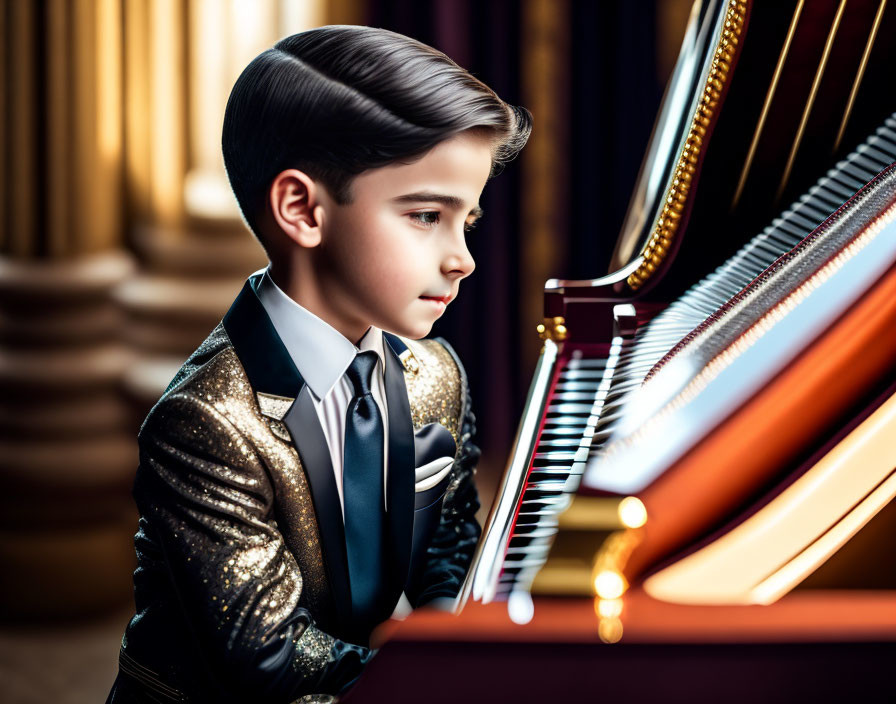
699,504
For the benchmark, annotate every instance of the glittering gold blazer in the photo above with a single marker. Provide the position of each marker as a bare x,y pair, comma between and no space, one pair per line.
242,582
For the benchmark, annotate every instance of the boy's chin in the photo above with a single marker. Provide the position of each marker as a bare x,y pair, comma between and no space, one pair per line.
412,332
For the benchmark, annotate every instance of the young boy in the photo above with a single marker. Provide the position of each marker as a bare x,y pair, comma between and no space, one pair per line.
312,460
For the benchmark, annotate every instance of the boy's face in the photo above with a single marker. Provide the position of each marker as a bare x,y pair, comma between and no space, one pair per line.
394,257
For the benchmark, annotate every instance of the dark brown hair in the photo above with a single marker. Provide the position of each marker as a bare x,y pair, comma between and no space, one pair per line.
335,101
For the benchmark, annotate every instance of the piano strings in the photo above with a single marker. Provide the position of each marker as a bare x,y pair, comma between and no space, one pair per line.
859,75
813,92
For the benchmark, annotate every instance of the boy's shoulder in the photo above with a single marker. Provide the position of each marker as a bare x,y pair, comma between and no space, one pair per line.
210,383
210,348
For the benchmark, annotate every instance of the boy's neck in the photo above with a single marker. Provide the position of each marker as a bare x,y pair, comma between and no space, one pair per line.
297,280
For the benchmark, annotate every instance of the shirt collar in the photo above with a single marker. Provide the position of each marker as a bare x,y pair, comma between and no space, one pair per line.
320,352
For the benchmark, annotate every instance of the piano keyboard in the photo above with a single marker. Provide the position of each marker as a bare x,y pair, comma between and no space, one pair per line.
590,394
582,388
707,296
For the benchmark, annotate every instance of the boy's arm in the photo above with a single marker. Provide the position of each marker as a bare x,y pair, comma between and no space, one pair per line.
208,499
454,542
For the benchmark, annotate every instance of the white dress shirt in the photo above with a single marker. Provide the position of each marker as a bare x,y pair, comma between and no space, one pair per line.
322,355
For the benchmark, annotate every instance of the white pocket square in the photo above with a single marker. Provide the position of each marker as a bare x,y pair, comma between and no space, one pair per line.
430,474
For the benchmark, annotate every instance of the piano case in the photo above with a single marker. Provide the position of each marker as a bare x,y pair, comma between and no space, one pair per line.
705,458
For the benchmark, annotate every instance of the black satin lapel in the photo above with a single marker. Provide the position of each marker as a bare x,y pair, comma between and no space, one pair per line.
270,369
400,481
304,426
262,353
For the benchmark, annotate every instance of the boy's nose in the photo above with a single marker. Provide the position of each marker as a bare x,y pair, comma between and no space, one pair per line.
459,263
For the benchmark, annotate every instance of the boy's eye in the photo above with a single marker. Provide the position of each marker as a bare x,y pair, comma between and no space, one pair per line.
427,218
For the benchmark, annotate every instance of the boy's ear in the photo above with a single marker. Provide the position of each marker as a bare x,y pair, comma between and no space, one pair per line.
295,205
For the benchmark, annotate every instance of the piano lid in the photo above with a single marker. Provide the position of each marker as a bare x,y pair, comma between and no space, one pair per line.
763,98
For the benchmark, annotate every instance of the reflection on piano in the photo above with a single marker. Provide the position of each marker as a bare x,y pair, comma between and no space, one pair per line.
702,489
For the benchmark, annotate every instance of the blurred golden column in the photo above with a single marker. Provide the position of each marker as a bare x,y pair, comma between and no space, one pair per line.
545,65
195,251
66,447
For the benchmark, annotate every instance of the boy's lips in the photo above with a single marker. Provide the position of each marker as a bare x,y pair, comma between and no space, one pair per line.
439,299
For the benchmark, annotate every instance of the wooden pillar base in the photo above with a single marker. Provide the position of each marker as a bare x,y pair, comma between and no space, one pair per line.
67,438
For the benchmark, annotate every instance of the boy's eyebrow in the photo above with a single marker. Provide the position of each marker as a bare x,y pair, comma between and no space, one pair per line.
449,201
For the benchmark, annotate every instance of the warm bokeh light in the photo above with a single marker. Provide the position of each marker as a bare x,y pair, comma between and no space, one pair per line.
609,584
166,104
609,630
609,608
632,512
108,70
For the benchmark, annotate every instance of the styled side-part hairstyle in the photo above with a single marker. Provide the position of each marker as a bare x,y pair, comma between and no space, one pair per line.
335,101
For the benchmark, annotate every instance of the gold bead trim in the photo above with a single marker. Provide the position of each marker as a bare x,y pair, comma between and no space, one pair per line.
553,329
409,361
667,225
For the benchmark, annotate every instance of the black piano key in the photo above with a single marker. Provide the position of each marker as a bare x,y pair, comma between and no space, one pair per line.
811,211
530,551
520,561
828,198
544,496
861,170
560,474
803,222
577,363
565,377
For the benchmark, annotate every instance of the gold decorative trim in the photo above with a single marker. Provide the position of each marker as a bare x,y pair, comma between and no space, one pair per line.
409,361
553,329
667,225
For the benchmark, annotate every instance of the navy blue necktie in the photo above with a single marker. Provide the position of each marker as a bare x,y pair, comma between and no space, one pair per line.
362,481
